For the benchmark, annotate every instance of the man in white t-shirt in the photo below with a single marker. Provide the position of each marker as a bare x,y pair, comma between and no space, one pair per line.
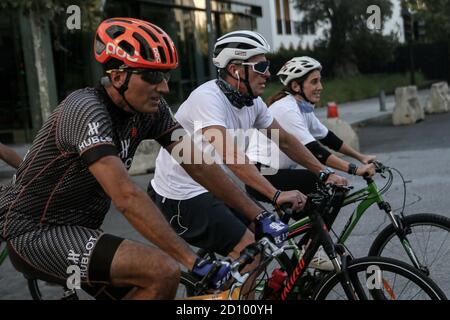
230,102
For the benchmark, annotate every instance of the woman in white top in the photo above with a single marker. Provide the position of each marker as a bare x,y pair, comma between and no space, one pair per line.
293,108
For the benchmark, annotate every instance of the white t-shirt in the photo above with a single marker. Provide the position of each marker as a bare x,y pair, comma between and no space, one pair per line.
296,118
206,106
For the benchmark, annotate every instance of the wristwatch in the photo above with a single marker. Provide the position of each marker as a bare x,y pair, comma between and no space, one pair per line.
352,168
324,174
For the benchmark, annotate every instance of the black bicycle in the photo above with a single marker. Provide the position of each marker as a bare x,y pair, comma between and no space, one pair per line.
368,278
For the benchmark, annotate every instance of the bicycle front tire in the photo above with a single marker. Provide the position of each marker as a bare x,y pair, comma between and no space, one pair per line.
429,239
412,284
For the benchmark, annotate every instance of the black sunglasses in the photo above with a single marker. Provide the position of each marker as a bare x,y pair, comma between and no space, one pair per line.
151,76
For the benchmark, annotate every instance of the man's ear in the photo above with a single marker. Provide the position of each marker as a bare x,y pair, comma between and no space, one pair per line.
233,70
117,78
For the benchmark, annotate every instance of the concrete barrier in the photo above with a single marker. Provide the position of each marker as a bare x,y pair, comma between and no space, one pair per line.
144,158
343,130
407,108
439,100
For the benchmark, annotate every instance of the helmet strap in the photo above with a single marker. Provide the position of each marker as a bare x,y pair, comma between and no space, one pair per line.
123,88
302,94
247,83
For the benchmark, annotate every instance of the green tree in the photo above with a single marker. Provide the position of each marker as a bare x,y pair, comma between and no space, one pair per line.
344,18
41,14
436,16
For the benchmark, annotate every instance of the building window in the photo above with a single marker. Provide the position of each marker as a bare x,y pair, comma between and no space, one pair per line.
287,17
304,27
278,17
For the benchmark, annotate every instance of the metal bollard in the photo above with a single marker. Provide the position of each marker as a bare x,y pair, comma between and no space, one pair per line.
382,101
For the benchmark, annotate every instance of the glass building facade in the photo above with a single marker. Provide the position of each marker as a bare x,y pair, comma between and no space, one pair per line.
73,65
186,22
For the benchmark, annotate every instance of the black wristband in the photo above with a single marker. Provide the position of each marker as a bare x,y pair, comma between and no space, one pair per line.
275,197
352,168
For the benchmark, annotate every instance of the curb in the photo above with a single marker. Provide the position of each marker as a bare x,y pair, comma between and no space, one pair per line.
383,120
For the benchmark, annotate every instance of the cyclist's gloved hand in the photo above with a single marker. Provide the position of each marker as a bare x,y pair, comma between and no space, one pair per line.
203,267
266,224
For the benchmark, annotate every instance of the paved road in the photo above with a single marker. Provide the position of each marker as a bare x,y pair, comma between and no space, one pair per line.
421,152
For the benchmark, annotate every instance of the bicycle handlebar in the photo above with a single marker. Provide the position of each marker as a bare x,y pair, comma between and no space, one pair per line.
379,167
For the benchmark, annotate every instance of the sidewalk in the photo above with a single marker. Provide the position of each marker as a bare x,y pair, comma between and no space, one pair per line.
368,111
355,113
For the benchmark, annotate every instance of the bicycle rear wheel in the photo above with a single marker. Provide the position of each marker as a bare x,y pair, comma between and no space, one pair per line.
382,279
429,238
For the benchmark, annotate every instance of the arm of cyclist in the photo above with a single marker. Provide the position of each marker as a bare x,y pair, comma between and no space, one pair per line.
240,165
335,143
139,210
300,154
350,168
349,151
10,156
208,175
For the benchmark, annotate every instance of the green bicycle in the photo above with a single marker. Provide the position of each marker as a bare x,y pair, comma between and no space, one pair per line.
422,240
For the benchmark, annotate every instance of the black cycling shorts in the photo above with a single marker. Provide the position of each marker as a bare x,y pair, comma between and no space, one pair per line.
203,221
48,252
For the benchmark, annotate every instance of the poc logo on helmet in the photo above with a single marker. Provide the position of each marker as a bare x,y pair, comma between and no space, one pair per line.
157,56
111,49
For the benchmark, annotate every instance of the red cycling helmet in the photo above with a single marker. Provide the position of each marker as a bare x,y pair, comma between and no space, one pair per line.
137,43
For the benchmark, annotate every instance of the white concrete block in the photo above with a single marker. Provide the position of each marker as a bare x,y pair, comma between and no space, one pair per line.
343,130
439,100
144,158
407,108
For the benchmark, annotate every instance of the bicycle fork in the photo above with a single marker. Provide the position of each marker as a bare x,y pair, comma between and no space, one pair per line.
402,231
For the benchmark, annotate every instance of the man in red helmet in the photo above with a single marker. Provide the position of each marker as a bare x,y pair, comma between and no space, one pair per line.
51,214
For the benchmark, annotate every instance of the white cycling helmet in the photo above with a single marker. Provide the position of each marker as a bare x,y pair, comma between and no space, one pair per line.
296,68
238,45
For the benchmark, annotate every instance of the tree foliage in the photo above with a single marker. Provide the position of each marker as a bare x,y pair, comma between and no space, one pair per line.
435,14
53,10
347,21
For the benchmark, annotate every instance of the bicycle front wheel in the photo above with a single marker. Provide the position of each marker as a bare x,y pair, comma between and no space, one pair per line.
379,278
428,236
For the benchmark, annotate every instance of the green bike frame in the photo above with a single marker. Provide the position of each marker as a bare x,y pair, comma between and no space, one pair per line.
370,195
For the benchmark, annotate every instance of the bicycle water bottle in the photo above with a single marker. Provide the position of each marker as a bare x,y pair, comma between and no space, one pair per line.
275,283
